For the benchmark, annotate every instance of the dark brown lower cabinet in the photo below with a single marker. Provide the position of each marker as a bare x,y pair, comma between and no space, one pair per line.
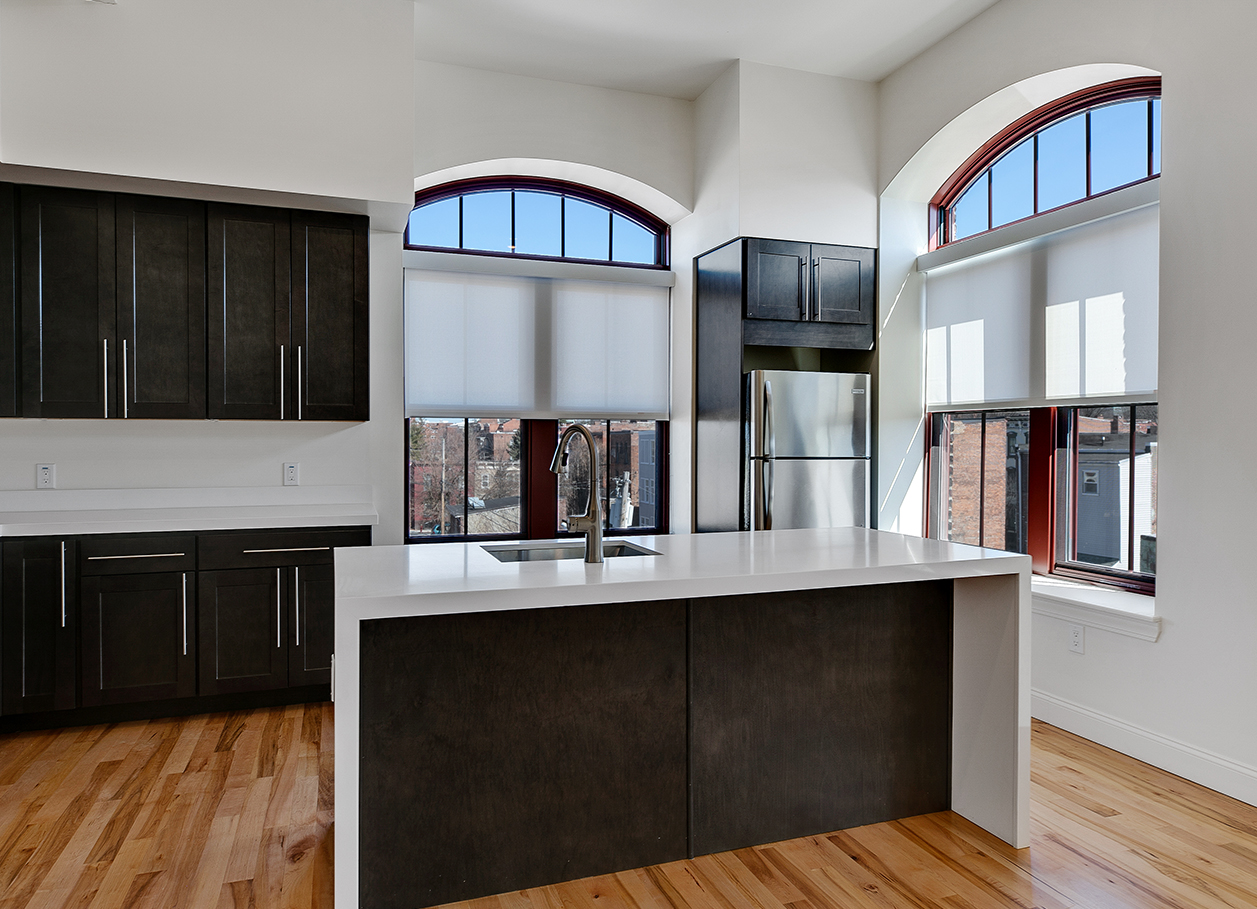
511,749
313,611
139,637
38,626
243,630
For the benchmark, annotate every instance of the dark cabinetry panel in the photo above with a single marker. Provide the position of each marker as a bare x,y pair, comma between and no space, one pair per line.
37,626
161,306
9,380
777,279
249,331
139,637
242,630
506,750
68,321
329,316
818,710
314,613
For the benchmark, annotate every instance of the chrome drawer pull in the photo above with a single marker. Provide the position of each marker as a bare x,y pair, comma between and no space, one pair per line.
290,549
139,555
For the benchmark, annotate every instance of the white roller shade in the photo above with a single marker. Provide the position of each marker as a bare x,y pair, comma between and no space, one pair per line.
1065,318
534,347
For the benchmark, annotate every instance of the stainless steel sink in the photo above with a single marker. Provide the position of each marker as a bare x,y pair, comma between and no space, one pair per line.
550,550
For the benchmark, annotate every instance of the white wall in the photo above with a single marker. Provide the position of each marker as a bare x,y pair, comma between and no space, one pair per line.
299,103
305,96
1184,701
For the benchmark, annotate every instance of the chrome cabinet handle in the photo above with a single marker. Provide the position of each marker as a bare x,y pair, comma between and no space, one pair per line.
281,381
278,585
105,379
816,290
298,381
125,409
296,599
291,549
63,583
185,613
803,307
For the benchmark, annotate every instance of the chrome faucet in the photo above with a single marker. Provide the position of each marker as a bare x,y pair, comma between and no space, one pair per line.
591,521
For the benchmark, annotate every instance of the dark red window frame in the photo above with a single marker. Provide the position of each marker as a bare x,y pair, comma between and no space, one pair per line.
977,165
1046,426
615,203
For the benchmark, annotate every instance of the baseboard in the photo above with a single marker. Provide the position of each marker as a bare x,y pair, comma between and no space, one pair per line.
1220,773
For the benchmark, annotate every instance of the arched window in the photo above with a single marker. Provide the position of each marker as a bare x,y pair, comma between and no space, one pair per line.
536,218
1083,145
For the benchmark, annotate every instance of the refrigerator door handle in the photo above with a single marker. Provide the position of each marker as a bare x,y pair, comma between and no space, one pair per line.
769,469
770,433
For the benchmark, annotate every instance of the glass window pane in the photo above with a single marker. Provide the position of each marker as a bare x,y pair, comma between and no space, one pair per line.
437,491
435,224
633,474
1012,185
1119,144
487,221
1102,466
538,224
586,230
574,481
494,481
1146,488
961,501
1005,518
1063,163
970,214
630,242
1156,135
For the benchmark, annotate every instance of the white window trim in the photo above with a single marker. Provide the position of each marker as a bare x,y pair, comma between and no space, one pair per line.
513,266
1118,611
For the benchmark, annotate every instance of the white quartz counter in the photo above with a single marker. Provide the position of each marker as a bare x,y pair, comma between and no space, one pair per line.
991,632
58,512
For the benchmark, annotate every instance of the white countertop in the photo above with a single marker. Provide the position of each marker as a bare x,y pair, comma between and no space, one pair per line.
431,579
56,512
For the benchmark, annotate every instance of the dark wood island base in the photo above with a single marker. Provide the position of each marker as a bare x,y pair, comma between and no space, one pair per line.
505,750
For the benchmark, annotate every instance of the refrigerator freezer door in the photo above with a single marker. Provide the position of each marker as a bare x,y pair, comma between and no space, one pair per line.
808,414
810,493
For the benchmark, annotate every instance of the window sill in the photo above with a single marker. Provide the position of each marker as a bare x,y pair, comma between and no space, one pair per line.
1131,614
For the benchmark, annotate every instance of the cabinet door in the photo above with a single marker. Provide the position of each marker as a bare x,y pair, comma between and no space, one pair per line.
243,630
249,349
161,307
68,319
139,637
8,302
38,626
777,279
329,316
313,613
843,284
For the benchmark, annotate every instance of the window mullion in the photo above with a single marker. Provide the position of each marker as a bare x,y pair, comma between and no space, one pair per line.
1130,491
982,483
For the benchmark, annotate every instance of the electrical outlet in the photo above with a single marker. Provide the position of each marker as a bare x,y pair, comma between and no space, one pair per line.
292,474
45,476
1077,642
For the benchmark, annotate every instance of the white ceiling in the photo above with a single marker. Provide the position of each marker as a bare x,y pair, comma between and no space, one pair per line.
678,47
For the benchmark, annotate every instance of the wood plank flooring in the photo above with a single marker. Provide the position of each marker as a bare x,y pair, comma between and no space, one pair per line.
235,810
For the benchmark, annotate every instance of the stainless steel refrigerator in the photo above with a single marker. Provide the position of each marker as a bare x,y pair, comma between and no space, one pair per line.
808,450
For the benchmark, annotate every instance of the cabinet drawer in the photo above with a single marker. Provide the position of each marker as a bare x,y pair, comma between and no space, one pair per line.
145,553
272,549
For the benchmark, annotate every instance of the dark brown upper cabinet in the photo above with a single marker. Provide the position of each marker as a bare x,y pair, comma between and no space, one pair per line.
9,383
161,307
250,347
38,628
809,282
69,335
329,316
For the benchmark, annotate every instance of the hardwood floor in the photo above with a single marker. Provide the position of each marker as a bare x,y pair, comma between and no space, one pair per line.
235,810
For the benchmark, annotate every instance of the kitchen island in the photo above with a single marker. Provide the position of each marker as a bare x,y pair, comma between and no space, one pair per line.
507,724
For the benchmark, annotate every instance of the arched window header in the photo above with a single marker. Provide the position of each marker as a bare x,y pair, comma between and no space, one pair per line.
1085,144
536,218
